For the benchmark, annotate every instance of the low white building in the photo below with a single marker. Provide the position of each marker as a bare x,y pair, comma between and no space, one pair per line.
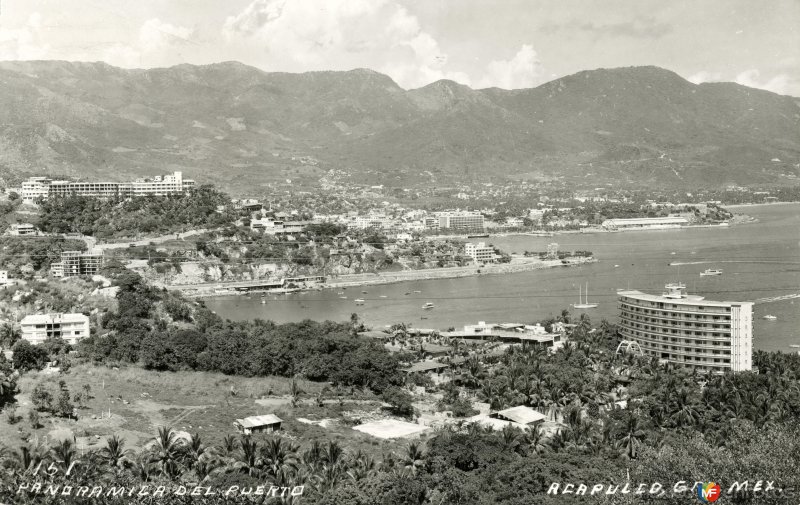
71,327
480,252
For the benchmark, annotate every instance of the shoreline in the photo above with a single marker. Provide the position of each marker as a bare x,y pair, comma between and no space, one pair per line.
355,280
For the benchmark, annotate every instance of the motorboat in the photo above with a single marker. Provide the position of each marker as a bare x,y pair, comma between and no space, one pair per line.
770,317
584,304
359,301
428,306
710,271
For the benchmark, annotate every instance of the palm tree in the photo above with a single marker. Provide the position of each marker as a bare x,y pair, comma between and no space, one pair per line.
248,460
512,438
278,456
362,465
229,444
143,467
414,457
333,454
167,451
114,453
64,453
684,412
313,456
632,435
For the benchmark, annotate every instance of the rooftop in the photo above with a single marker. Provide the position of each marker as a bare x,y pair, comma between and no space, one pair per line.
256,421
58,318
522,415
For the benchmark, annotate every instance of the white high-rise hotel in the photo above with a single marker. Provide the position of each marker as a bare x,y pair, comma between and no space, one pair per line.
688,330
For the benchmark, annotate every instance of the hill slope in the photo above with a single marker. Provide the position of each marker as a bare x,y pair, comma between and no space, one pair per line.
240,127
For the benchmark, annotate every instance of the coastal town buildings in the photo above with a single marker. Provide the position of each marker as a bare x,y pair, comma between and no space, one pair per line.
35,188
467,221
688,330
71,327
77,263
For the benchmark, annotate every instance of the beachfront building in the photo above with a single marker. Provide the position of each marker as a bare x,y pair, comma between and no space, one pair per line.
465,221
160,185
644,223
688,330
516,333
37,328
77,263
480,252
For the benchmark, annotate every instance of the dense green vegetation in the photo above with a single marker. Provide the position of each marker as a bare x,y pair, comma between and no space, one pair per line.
136,216
161,331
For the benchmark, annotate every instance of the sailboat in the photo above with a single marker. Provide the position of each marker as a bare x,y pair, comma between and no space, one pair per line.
581,303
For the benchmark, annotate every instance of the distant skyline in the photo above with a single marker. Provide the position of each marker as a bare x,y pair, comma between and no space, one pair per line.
505,43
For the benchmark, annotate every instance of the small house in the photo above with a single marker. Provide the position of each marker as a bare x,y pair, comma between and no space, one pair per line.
521,415
257,424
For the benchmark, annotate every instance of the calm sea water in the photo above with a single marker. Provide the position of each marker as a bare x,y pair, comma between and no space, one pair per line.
758,260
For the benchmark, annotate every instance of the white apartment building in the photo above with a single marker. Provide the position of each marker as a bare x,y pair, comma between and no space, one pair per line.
688,330
480,252
70,327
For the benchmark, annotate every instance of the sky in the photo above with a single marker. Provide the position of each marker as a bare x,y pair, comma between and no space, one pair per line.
481,43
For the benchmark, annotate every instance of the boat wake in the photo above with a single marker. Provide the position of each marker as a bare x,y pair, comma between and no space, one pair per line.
777,298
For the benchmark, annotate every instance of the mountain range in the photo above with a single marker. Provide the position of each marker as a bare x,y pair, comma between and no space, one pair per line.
245,129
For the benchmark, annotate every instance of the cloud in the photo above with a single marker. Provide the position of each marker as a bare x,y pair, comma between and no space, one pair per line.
301,35
705,76
157,43
24,43
640,28
524,70
780,83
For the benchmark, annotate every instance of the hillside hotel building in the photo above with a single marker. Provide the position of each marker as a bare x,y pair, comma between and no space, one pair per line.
160,185
689,331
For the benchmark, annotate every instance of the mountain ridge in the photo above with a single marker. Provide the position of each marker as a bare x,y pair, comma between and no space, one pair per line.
244,128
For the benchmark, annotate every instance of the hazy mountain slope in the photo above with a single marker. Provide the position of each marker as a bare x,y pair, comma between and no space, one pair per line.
240,127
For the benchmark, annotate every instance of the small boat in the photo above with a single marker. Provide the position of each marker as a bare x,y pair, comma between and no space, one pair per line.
584,304
408,293
795,346
364,292
340,293
770,317
418,291
616,266
263,301
710,271
359,301
673,253
343,297
423,317
428,306
382,296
